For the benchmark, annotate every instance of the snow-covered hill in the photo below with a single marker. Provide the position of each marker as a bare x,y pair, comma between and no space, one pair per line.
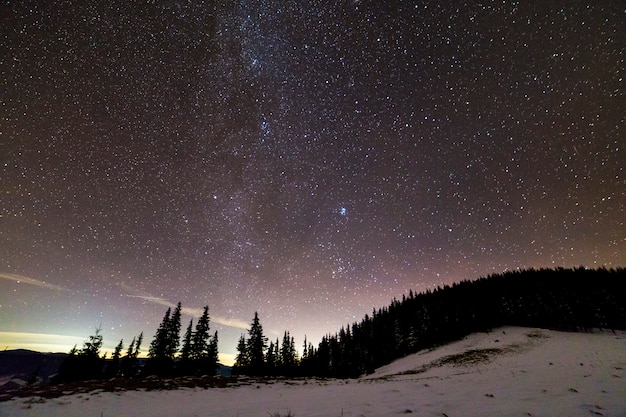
508,372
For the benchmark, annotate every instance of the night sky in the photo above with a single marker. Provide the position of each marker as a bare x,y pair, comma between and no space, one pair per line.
308,160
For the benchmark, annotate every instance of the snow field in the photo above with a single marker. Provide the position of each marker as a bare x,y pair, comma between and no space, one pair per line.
507,372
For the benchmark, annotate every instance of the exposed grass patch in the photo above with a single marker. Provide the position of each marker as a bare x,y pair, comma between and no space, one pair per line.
150,383
470,357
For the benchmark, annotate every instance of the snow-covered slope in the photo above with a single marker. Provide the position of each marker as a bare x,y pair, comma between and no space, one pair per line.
508,372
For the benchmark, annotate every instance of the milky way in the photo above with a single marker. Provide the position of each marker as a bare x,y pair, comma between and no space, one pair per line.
309,161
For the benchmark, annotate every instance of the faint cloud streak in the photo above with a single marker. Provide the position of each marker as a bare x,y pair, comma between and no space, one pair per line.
21,279
194,312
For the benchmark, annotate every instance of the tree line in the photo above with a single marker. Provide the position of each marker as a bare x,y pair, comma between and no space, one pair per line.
559,299
197,356
577,299
255,357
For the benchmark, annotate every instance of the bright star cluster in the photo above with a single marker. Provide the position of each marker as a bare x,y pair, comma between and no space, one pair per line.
307,160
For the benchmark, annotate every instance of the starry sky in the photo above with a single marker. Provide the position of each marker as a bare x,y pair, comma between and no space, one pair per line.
309,160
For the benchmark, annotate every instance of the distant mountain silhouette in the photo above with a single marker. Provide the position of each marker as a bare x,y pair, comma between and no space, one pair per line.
29,365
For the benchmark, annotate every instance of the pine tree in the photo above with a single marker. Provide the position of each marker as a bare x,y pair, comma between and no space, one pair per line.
128,365
323,359
114,365
137,349
131,349
307,364
257,343
305,347
270,359
91,363
293,352
173,332
117,353
213,357
277,357
242,360
85,363
70,367
288,356
165,343
91,348
185,352
167,338
412,340
158,346
200,345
